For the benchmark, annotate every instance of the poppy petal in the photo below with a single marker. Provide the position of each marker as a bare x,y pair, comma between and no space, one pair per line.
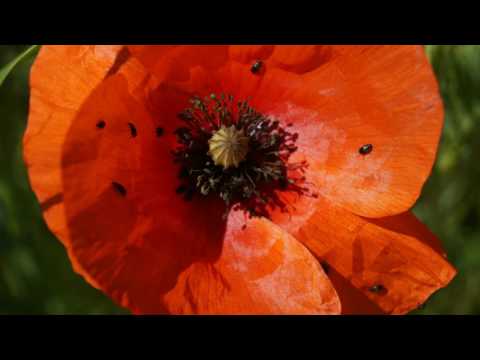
353,300
300,59
174,63
261,270
386,97
95,163
62,77
396,262
247,54
154,252
340,99
130,234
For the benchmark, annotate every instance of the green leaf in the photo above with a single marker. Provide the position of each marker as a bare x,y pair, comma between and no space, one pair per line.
5,70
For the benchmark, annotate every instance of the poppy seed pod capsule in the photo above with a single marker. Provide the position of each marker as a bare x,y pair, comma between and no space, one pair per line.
228,147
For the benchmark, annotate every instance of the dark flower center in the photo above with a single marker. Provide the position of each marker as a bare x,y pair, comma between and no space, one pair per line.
232,151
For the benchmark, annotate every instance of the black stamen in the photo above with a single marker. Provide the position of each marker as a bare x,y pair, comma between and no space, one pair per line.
181,189
366,149
159,131
188,195
377,288
119,188
256,67
133,129
101,124
183,173
254,184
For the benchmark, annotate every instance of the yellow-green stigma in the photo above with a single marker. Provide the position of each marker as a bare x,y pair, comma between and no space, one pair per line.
228,147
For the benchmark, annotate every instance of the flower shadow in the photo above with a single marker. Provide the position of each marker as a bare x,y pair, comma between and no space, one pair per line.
127,227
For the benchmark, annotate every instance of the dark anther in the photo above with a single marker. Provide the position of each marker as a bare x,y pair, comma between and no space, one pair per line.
159,131
133,129
325,267
188,195
119,188
183,173
181,189
256,67
183,135
378,288
366,149
283,183
228,149
101,124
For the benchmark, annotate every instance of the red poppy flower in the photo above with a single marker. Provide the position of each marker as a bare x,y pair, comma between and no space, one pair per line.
240,179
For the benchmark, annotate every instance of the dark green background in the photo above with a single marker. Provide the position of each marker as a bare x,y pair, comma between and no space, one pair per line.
36,276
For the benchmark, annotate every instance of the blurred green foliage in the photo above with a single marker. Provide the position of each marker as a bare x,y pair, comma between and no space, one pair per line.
450,203
36,276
